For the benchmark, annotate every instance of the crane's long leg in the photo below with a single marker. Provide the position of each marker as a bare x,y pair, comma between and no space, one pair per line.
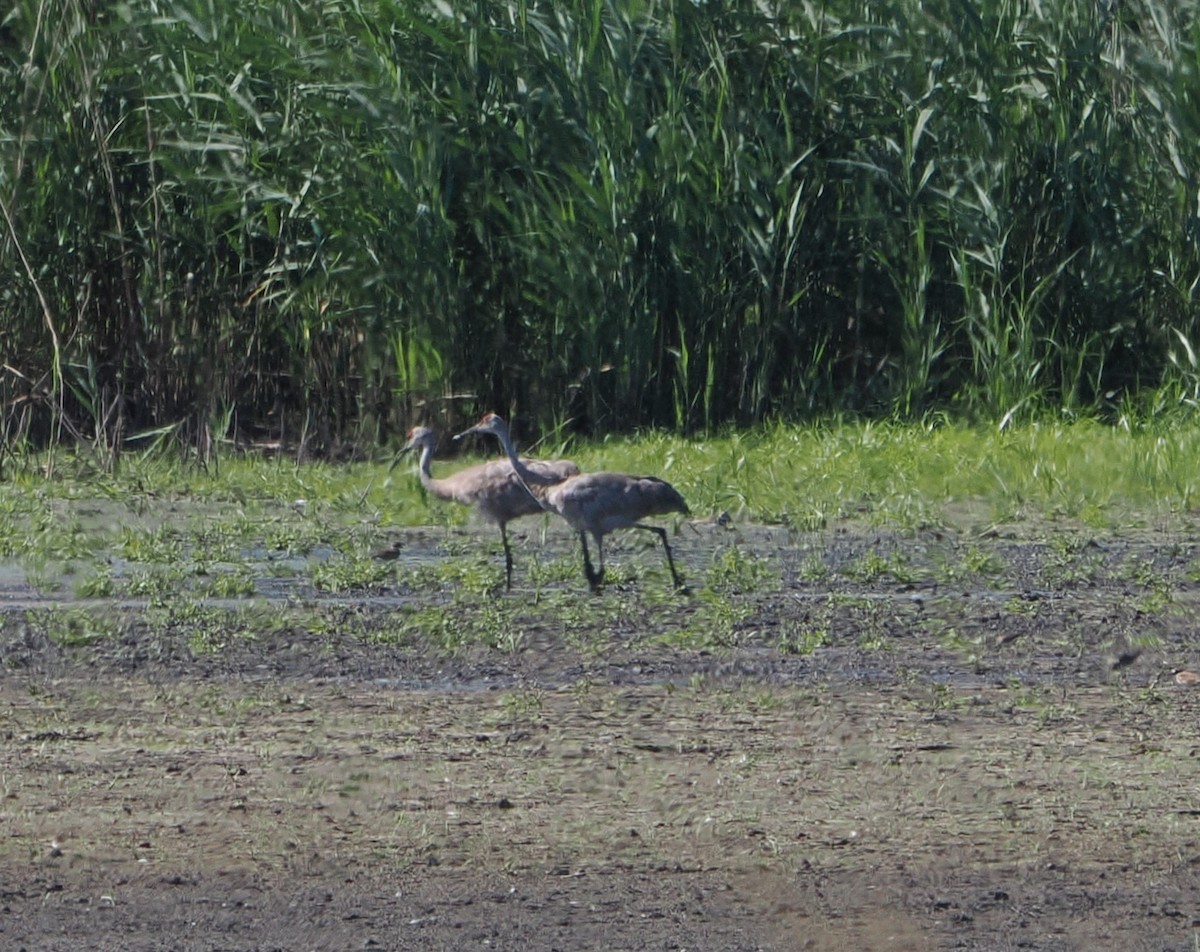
594,578
600,549
508,561
662,534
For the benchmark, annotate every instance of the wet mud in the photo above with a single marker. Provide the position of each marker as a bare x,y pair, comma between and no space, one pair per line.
850,738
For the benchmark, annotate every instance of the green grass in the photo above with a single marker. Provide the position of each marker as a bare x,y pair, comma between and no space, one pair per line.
903,477
351,574
910,477
735,571
233,532
465,624
73,628
918,505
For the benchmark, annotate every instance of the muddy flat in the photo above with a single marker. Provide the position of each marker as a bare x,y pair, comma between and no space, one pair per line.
849,739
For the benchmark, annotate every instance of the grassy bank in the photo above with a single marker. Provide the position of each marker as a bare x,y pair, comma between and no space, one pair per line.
903,476
359,554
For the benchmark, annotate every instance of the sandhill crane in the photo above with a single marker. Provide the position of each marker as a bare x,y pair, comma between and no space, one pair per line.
493,487
597,502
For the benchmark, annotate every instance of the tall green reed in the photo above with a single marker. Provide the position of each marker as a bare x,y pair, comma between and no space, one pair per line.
311,224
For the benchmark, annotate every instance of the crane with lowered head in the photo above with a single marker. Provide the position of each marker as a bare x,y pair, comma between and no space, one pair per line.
595,503
493,488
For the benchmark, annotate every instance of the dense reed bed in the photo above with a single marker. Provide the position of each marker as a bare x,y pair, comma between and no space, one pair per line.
316,222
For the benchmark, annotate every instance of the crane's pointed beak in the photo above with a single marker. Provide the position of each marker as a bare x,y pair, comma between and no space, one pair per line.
403,451
459,436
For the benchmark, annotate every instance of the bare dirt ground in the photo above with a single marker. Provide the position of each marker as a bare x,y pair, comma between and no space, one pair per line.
925,744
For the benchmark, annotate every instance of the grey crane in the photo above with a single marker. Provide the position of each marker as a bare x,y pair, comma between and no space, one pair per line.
493,487
596,503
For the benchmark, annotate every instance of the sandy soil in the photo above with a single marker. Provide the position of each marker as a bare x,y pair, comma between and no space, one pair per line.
967,760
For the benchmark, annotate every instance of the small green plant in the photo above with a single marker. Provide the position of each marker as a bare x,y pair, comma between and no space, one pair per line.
1156,602
209,629
73,628
49,536
522,705
495,626
973,561
1020,605
812,569
350,574
736,571
290,538
43,580
543,573
235,584
796,638
100,584
872,567
468,573
151,546
715,623
810,520
394,636
155,584
436,626
871,617
222,541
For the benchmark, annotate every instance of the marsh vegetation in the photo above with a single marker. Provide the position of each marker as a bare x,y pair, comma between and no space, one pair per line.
899,295
308,225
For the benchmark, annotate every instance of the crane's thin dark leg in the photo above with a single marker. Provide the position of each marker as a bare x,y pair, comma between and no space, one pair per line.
600,550
662,534
594,578
508,562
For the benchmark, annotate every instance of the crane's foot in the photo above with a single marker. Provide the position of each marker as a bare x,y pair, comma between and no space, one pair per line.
680,585
508,564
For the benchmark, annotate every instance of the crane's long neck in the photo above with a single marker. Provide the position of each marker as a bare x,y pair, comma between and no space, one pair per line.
511,452
524,474
435,486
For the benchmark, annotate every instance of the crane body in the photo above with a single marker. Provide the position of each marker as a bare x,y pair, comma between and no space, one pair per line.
595,503
493,488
